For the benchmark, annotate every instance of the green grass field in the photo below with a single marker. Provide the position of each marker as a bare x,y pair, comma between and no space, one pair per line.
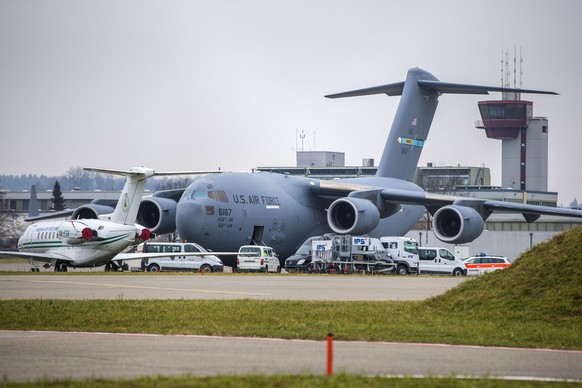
537,302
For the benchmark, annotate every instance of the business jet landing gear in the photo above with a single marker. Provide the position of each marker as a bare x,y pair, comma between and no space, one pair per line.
34,266
113,266
61,267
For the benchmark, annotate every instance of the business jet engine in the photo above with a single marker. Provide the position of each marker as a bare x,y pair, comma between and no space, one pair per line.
74,232
91,211
457,224
352,216
158,214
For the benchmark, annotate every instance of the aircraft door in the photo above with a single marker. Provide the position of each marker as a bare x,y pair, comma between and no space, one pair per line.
257,238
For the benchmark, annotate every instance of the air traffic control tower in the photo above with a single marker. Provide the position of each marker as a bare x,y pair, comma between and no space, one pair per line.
524,139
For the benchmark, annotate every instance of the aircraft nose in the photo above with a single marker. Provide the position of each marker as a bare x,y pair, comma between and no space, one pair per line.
189,220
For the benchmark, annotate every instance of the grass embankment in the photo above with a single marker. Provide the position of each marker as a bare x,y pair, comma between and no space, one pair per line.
535,303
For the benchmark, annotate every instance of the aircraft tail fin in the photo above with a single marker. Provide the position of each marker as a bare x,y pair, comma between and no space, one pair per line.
411,125
33,204
125,211
127,207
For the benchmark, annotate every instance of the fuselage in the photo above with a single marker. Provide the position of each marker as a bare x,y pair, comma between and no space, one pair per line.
64,240
223,211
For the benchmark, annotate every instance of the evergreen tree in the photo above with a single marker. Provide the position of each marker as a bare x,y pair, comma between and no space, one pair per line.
57,198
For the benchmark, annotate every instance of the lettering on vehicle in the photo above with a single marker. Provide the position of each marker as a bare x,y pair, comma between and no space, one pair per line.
251,199
224,218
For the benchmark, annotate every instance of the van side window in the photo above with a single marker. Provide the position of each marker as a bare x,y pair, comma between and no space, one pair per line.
190,248
172,248
152,248
427,254
446,254
393,245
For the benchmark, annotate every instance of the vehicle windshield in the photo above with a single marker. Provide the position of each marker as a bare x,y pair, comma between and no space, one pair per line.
305,249
254,250
410,246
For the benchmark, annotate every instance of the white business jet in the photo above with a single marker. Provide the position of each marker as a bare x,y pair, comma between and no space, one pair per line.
93,242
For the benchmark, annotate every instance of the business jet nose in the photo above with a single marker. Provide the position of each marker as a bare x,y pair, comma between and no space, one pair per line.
190,220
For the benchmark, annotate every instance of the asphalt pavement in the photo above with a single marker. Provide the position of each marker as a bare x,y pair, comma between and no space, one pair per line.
29,355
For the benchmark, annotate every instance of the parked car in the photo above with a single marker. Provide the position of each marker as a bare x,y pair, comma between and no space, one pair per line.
301,259
257,258
206,263
478,265
440,261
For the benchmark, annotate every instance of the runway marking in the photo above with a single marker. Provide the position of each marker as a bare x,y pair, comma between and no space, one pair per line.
144,287
267,339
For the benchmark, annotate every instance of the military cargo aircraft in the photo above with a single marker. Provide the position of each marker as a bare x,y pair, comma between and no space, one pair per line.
227,210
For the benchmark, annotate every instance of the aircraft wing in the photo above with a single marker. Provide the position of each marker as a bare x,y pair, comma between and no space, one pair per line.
47,257
47,216
484,206
139,256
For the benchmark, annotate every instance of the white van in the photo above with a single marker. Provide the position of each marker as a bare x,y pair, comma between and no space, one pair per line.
206,263
435,260
257,258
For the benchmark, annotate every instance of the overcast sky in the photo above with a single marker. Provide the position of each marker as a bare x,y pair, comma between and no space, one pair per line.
191,85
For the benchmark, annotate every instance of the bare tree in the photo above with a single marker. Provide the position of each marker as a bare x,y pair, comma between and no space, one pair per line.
77,177
10,229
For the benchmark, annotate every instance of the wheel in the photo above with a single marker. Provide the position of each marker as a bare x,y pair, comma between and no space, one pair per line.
32,270
278,269
205,268
457,272
401,270
154,268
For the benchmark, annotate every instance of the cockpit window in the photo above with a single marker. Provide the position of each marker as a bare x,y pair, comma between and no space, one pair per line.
218,195
199,194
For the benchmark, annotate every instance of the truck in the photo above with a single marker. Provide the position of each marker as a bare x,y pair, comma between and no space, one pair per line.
404,252
346,253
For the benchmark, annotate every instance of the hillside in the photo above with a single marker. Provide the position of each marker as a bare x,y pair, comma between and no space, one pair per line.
543,284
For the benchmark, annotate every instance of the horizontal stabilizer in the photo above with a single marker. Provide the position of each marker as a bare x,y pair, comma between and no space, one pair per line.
434,86
447,87
390,90
147,171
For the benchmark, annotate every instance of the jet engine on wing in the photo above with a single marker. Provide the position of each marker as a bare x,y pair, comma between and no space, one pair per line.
457,224
352,216
91,211
158,214
74,232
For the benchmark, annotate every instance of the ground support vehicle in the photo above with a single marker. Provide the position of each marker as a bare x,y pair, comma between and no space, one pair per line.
440,261
349,254
257,258
205,263
404,252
